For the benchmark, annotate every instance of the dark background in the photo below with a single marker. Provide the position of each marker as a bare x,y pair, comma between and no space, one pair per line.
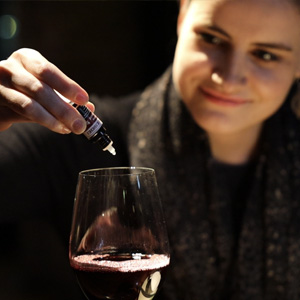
108,47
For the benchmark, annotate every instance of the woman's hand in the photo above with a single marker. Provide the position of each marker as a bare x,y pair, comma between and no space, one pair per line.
27,84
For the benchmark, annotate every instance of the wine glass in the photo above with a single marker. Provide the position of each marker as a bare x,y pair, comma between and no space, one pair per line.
119,247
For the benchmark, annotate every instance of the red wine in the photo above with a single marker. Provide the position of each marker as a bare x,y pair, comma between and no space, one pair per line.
119,276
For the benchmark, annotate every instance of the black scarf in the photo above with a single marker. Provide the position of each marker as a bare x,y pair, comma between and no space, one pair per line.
208,261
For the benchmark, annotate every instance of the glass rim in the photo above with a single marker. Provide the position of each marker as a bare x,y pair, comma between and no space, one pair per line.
98,171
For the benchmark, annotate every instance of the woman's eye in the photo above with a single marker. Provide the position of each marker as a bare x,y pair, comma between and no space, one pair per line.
210,39
265,55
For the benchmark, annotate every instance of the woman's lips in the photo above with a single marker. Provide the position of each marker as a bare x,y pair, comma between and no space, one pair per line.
221,99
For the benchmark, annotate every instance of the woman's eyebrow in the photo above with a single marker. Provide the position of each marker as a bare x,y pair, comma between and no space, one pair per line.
275,46
218,29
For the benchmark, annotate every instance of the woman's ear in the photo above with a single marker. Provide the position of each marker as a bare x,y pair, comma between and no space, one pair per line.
182,12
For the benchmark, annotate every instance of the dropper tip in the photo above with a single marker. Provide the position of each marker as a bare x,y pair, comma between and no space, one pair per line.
111,149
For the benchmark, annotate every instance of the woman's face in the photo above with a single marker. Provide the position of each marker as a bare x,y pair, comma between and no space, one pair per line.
236,60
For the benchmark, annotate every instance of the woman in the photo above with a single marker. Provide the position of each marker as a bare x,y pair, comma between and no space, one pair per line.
219,130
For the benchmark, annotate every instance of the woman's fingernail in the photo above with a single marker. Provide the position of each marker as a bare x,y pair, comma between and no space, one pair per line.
62,128
65,130
82,98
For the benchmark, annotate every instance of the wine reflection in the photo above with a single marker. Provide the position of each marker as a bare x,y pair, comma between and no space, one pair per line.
104,230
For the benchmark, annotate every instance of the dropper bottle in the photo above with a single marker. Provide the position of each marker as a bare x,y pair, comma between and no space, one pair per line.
95,131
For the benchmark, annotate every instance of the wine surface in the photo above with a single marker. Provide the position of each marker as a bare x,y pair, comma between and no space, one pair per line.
120,276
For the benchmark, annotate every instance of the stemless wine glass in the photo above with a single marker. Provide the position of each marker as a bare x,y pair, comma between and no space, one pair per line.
118,244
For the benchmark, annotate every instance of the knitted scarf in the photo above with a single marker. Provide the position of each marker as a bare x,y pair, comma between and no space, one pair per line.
208,261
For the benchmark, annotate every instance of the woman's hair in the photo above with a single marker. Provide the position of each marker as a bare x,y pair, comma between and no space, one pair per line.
296,2
295,98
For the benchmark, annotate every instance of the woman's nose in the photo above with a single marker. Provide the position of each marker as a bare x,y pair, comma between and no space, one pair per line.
230,71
